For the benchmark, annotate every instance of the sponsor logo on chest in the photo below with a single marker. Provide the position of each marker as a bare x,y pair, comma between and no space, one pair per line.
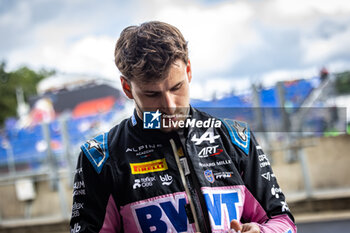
207,136
223,206
165,214
166,179
217,163
209,151
144,182
147,167
143,151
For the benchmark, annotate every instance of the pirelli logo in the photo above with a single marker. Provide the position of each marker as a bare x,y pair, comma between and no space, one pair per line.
151,166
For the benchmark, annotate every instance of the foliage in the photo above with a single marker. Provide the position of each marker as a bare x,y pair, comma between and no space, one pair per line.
24,78
342,82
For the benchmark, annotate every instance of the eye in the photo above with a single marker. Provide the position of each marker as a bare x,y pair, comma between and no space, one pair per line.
151,95
177,87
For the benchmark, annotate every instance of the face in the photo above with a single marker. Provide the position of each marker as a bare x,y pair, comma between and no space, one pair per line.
170,95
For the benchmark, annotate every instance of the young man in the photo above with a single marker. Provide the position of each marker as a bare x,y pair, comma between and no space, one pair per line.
190,172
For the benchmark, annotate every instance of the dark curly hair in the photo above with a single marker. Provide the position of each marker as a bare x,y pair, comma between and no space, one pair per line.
146,52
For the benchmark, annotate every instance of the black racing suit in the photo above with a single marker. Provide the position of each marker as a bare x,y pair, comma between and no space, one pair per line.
127,180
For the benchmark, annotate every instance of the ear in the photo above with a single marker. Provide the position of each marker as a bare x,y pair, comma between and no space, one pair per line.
189,71
126,87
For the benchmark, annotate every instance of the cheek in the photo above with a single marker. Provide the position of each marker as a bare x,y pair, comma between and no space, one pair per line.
186,90
183,95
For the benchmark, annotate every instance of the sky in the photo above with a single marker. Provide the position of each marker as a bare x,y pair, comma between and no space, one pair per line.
232,44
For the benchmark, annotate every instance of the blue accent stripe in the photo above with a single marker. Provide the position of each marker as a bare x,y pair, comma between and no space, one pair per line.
239,133
133,119
98,153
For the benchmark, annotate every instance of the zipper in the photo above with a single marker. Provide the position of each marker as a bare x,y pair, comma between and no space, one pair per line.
194,188
183,179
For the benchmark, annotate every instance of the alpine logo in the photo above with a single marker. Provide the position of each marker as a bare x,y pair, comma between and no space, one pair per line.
207,136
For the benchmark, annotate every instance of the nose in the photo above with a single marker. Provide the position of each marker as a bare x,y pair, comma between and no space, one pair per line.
168,104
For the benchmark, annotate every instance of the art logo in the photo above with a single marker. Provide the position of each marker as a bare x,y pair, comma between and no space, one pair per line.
209,151
151,120
151,166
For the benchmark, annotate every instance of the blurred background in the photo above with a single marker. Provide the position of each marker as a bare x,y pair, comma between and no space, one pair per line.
282,66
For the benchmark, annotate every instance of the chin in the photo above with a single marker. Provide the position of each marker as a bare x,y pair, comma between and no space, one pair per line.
168,130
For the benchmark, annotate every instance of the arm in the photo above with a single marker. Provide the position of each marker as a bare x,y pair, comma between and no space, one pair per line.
93,208
265,193
265,208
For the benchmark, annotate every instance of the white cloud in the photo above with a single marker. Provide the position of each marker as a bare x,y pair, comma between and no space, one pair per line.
217,35
320,50
91,54
219,87
18,17
300,13
221,36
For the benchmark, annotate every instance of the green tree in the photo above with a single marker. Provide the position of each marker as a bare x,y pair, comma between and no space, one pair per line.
342,82
24,78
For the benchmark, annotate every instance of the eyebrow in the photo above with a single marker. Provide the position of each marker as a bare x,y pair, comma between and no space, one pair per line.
172,88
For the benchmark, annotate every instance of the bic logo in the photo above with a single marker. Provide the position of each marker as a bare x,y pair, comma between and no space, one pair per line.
162,215
222,207
151,120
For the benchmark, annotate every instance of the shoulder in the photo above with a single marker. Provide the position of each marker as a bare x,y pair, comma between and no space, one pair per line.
239,133
96,150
